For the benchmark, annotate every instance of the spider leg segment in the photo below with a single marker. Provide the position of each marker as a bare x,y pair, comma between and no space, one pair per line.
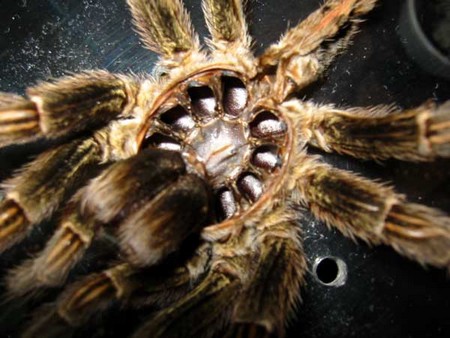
234,296
154,202
226,23
206,307
163,224
51,267
306,50
82,300
36,192
272,292
165,28
373,212
65,106
19,119
379,133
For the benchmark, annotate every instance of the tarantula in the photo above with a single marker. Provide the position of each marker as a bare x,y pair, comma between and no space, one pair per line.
198,174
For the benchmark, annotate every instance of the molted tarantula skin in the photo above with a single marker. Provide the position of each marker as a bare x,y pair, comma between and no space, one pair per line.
198,174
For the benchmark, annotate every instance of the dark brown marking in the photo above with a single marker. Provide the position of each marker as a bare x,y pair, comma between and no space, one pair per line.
14,224
123,188
63,252
98,287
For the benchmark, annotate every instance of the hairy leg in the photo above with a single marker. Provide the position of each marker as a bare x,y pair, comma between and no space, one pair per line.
205,308
374,212
226,23
43,185
87,300
280,268
130,193
165,28
232,299
62,252
306,50
379,133
80,301
65,106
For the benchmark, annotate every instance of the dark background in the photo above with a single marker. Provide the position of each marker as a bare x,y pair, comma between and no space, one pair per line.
385,294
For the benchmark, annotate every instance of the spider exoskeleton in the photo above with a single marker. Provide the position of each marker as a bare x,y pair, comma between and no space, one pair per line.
198,173
213,122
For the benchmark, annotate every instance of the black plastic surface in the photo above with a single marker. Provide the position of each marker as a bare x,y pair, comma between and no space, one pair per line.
384,294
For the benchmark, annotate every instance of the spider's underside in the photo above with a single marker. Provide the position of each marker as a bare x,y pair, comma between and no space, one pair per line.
249,175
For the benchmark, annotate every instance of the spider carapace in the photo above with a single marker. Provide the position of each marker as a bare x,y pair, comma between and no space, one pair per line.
210,151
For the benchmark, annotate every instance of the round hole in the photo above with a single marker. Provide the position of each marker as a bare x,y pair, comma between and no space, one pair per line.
330,271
